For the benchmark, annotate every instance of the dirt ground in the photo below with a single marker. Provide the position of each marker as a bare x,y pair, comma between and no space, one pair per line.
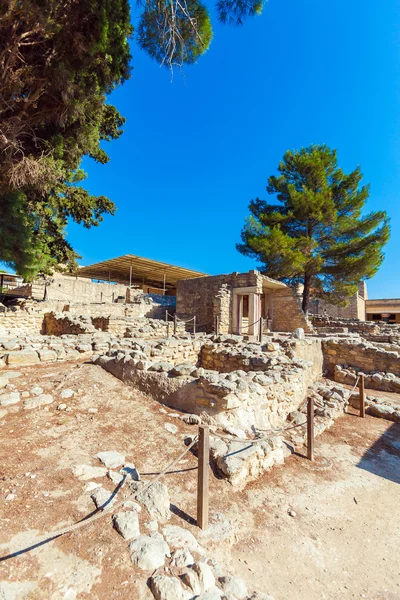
323,530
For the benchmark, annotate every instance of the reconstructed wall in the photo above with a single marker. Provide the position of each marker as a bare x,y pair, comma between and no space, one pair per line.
204,297
355,308
287,313
208,297
68,288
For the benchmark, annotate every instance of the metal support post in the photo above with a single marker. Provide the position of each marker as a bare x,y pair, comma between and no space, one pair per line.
194,324
217,325
175,324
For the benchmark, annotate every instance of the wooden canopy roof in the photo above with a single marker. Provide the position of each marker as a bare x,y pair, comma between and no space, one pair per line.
138,270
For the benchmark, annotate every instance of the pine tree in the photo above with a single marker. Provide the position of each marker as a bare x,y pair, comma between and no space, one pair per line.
317,235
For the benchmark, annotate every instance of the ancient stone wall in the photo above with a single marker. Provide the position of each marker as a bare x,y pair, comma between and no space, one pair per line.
355,308
364,356
21,321
71,289
206,297
287,312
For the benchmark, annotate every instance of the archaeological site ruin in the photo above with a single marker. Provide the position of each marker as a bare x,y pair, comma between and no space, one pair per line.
117,381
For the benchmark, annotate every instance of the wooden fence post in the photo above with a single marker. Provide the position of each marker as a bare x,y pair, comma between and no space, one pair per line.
362,396
260,329
310,429
202,481
217,325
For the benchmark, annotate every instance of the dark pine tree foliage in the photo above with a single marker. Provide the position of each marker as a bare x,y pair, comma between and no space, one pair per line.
59,59
317,235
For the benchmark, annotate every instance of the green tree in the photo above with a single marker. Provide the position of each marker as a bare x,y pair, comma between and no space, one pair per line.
58,61
317,235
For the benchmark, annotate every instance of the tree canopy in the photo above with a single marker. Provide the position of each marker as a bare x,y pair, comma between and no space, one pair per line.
58,62
317,234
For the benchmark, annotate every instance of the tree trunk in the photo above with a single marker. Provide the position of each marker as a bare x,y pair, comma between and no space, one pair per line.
306,293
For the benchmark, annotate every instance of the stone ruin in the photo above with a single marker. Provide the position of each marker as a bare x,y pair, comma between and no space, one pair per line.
253,395
240,387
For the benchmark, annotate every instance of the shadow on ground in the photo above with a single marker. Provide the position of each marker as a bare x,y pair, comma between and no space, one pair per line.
383,457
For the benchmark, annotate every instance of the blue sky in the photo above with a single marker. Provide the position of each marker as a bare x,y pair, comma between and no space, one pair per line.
196,149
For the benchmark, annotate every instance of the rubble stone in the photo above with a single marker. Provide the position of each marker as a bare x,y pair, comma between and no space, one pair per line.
148,553
127,524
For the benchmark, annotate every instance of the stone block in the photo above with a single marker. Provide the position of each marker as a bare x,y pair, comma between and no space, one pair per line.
47,355
22,357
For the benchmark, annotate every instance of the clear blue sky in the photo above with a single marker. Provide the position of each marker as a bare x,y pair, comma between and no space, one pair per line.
198,148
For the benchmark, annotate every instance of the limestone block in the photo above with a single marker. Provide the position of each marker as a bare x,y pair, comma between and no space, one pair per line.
47,355
22,357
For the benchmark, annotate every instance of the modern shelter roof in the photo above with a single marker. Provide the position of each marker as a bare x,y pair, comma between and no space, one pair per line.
138,270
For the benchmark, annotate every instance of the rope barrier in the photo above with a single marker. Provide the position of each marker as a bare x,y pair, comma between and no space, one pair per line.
355,385
259,439
102,512
250,325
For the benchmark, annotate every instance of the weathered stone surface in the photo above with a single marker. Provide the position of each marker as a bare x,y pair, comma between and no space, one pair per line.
36,390
3,413
191,580
127,524
156,500
212,594
22,357
115,477
182,558
41,400
66,393
131,505
148,553
47,355
234,586
177,537
170,427
111,459
205,575
3,381
168,588
102,498
299,333
191,419
161,367
182,370
86,472
9,398
11,374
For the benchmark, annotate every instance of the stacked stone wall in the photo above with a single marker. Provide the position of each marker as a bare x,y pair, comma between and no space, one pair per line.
287,312
363,356
206,296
